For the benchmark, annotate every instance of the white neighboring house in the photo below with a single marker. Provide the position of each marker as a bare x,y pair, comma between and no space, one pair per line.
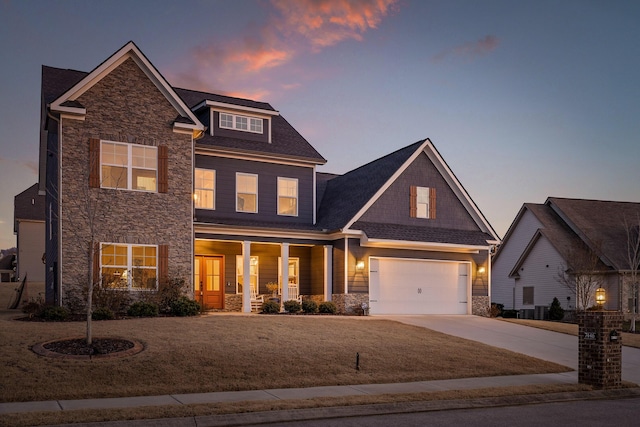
29,227
539,242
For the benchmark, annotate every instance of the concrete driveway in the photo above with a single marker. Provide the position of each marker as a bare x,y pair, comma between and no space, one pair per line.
546,345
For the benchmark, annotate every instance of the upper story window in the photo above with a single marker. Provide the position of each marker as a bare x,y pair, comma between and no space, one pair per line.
205,187
423,202
124,266
246,192
129,166
287,196
243,123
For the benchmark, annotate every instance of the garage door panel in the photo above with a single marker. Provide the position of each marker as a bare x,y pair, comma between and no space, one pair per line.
418,287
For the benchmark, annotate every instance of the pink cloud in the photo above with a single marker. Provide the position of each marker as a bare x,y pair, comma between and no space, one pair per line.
470,49
294,27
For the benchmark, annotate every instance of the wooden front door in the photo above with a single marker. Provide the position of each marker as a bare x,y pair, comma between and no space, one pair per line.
209,281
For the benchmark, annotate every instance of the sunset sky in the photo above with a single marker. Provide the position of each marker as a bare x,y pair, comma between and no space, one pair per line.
523,99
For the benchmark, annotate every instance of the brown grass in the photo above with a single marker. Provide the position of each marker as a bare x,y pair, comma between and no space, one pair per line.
235,352
631,340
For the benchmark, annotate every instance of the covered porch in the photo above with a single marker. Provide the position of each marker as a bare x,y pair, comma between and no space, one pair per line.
282,270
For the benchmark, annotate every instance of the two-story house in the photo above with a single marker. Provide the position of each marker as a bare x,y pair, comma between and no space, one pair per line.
160,182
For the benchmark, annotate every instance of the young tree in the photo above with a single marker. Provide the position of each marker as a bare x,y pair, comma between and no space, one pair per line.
632,229
581,274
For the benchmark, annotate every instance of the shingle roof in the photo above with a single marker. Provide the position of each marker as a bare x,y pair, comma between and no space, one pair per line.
194,97
346,194
56,81
29,205
422,234
601,224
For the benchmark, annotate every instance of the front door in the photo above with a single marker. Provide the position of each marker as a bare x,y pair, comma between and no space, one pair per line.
208,281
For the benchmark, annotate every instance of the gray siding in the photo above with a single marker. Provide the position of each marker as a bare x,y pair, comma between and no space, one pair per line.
540,271
268,173
394,205
502,286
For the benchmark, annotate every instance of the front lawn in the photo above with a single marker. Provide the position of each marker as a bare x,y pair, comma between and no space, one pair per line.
237,352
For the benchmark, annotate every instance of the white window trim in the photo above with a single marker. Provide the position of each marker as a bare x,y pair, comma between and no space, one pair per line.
129,266
239,269
256,193
215,175
235,118
129,166
418,203
288,197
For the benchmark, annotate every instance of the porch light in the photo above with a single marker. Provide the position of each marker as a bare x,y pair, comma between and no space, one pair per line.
359,265
481,270
600,297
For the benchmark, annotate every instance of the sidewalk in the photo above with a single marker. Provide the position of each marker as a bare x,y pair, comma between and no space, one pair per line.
290,393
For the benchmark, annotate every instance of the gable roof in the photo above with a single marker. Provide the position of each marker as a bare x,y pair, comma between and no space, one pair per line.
348,196
600,225
66,102
28,205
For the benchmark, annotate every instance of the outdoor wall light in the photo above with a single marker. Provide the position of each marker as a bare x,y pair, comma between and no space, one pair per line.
600,297
359,265
481,270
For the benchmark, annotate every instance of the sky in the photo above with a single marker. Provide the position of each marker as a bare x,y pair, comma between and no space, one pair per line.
524,99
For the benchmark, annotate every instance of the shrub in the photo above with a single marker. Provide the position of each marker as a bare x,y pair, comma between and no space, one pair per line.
510,314
102,313
184,306
143,309
496,309
292,306
327,307
55,314
556,312
309,306
169,292
270,307
33,308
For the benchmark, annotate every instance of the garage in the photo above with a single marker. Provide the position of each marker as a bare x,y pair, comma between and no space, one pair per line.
411,286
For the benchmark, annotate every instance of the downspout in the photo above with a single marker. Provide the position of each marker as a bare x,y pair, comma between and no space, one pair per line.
58,272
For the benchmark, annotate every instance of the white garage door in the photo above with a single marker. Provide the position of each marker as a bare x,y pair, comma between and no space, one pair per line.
409,286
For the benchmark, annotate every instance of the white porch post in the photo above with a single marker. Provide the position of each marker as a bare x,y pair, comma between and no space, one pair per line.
284,257
246,276
328,272
346,265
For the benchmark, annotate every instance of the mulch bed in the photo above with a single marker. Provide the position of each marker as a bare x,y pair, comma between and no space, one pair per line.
77,348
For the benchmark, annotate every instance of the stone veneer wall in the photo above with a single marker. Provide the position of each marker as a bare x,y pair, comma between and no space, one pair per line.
125,106
350,303
481,306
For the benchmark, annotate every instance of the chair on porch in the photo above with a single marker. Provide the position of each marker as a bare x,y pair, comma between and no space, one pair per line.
294,293
256,300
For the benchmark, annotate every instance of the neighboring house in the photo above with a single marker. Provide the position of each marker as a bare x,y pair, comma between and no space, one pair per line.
29,228
543,239
8,267
223,191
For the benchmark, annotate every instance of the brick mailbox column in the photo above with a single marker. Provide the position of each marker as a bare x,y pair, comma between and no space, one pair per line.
600,349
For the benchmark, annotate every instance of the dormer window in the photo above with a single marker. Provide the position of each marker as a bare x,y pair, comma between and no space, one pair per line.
243,123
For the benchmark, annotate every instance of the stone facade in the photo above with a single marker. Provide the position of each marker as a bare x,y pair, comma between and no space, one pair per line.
600,349
481,306
124,106
350,303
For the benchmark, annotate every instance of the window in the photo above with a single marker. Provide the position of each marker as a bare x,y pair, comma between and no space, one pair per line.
527,295
205,187
244,123
246,192
124,266
128,166
423,202
288,196
253,273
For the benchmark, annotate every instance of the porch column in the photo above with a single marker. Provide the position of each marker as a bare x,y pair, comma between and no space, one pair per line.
246,276
328,272
284,256
346,265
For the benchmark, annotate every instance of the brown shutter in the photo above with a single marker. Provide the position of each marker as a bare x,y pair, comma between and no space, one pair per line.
163,169
163,263
413,204
96,262
432,203
94,163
